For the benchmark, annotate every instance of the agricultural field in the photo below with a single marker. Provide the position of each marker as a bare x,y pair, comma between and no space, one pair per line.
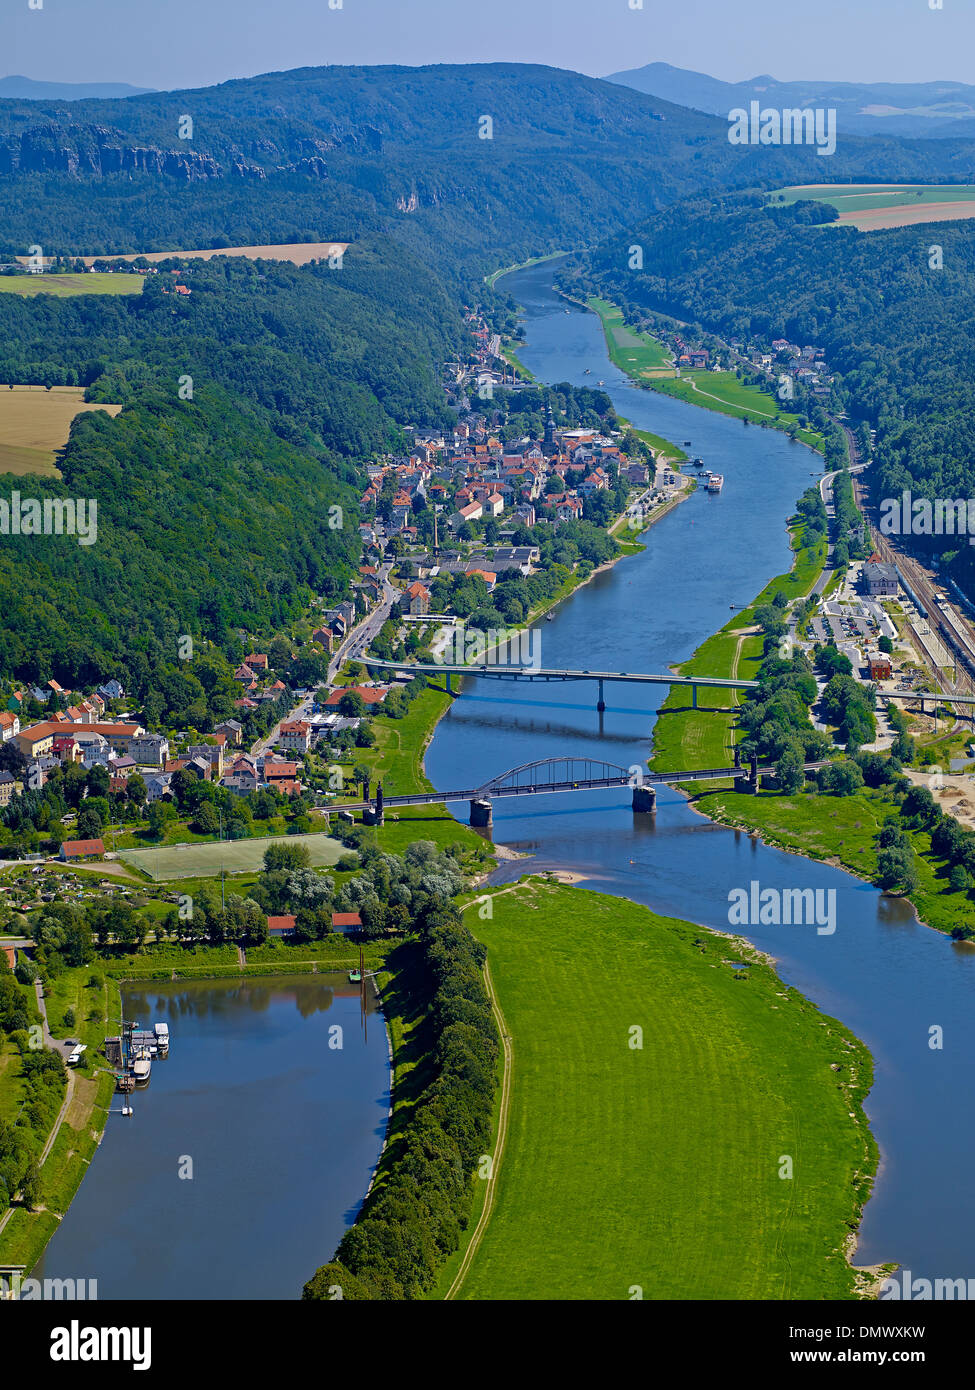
205,860
298,253
658,1166
62,285
873,206
34,422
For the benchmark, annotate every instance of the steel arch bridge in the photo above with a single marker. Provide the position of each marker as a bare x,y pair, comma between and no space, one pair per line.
564,773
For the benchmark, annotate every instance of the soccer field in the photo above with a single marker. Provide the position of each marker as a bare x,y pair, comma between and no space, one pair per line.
206,858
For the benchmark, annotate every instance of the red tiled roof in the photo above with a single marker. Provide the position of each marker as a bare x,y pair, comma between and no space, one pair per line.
82,847
283,923
346,919
371,694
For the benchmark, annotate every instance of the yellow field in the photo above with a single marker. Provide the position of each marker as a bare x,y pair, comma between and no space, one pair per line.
34,422
299,253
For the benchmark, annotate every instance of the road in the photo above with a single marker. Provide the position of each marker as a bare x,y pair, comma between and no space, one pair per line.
353,644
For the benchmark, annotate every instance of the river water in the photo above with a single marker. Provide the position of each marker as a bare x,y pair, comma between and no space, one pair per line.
248,1154
883,974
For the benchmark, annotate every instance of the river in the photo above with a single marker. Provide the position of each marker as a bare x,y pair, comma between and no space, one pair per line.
248,1154
882,973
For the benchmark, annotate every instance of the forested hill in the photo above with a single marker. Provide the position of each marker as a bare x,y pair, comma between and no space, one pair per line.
899,333
336,152
213,513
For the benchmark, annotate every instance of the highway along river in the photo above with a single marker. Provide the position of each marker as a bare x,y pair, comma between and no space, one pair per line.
249,1153
882,973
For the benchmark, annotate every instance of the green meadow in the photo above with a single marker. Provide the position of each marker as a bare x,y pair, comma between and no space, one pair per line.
659,1099
63,285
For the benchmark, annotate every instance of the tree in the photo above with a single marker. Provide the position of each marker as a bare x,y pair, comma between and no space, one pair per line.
159,813
98,780
206,821
789,770
286,856
89,825
361,776
896,870
135,789
352,705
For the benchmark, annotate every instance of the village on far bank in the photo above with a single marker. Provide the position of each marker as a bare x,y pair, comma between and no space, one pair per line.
479,528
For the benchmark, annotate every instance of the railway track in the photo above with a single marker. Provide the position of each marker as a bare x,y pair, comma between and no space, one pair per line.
950,631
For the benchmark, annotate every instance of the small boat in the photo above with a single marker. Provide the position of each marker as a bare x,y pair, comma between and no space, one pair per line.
687,443
715,482
355,976
601,383
732,605
127,1110
588,371
550,617
142,1070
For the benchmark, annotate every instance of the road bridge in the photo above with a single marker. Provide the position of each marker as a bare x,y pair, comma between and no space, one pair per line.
560,774
555,673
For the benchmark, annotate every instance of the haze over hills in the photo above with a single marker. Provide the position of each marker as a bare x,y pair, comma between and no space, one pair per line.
338,152
27,89
926,109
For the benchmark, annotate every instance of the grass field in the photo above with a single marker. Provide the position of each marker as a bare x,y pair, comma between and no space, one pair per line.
204,860
658,1167
492,279
62,285
34,422
723,392
297,252
638,354
685,737
874,206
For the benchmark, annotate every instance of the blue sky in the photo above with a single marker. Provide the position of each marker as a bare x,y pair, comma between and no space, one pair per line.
185,43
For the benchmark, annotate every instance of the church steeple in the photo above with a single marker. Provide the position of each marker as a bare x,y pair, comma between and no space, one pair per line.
549,426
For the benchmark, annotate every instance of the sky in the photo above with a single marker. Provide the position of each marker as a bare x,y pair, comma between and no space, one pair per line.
189,43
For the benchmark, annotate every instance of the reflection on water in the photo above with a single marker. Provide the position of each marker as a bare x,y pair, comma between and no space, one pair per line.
887,977
278,1093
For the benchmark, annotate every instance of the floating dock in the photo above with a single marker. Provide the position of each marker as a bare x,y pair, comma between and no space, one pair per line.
131,1054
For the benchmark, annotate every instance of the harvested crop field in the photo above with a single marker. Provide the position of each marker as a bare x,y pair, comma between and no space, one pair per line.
34,422
875,206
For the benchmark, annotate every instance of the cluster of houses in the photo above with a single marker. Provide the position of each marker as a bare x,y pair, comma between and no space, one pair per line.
471,476
805,364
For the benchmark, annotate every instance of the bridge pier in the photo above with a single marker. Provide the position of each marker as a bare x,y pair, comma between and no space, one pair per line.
482,813
754,780
644,799
601,703
694,697
450,683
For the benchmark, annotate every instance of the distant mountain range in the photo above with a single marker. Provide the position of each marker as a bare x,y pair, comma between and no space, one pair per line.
26,89
941,110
